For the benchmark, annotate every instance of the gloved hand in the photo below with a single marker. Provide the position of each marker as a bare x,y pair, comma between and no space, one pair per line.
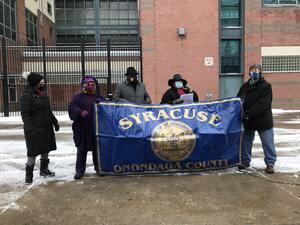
56,127
84,113
246,117
148,101
177,101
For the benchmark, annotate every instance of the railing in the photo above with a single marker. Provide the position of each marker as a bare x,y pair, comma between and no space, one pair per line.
63,67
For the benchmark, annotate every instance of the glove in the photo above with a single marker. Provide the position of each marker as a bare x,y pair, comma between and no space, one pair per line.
84,113
148,101
56,127
177,101
246,116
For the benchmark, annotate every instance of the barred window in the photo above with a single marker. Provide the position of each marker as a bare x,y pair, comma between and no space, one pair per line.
281,63
281,2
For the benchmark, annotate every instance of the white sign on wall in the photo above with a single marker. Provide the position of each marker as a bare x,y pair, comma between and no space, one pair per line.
208,61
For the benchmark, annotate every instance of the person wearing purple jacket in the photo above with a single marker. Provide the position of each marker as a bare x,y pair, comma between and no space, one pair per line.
81,111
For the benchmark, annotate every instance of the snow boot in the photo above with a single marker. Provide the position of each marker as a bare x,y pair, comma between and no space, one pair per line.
44,171
29,174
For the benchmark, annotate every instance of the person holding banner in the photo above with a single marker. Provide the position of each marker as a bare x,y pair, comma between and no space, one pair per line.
256,95
81,111
131,90
38,125
178,88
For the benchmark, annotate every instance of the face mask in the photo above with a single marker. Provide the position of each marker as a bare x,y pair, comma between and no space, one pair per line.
90,88
132,79
254,76
41,88
178,84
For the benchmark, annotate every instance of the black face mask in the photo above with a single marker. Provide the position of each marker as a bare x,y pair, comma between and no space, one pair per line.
41,88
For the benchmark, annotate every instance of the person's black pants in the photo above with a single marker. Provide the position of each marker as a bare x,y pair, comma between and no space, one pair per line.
81,160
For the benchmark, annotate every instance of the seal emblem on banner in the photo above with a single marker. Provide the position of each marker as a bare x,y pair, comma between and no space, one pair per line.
173,140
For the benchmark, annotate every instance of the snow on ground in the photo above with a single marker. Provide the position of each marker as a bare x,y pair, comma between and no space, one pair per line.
13,155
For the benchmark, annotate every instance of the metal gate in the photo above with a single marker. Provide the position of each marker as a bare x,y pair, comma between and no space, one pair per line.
63,68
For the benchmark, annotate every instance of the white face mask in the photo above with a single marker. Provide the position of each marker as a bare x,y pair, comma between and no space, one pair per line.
178,84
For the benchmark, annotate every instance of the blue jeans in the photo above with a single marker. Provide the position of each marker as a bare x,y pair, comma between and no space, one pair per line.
267,141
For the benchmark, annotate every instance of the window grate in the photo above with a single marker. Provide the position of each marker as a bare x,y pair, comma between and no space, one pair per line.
281,63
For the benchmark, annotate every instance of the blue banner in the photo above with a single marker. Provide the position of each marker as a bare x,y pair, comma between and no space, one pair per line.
136,139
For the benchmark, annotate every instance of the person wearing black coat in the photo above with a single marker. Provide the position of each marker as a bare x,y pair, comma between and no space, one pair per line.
81,112
38,122
256,95
178,87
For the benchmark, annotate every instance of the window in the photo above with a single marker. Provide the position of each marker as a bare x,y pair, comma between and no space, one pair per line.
230,56
281,2
49,8
60,3
79,4
8,19
281,63
69,3
113,17
89,3
118,17
230,13
31,28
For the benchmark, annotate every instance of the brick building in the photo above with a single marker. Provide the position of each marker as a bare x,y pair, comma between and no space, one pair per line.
272,36
211,43
221,40
30,20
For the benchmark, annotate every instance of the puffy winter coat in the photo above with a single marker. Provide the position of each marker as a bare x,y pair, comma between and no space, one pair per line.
38,122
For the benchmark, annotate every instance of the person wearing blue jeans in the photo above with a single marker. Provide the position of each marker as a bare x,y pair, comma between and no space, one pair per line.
267,140
256,95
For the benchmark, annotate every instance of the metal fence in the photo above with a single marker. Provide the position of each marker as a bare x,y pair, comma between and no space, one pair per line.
63,67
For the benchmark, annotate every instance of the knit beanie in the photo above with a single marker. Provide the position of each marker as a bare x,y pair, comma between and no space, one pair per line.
33,78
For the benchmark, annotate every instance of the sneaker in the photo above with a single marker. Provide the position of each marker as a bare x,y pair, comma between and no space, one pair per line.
243,166
270,169
78,176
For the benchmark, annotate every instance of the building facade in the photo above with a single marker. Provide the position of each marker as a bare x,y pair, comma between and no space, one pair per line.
95,20
212,45
272,37
30,20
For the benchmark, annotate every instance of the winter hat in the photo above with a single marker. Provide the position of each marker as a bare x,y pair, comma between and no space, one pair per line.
131,71
32,78
176,77
88,79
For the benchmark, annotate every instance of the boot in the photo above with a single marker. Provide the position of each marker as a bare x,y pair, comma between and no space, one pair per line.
44,168
29,174
270,169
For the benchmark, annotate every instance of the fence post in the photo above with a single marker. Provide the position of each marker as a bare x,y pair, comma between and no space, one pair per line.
44,61
82,59
109,89
4,80
141,59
